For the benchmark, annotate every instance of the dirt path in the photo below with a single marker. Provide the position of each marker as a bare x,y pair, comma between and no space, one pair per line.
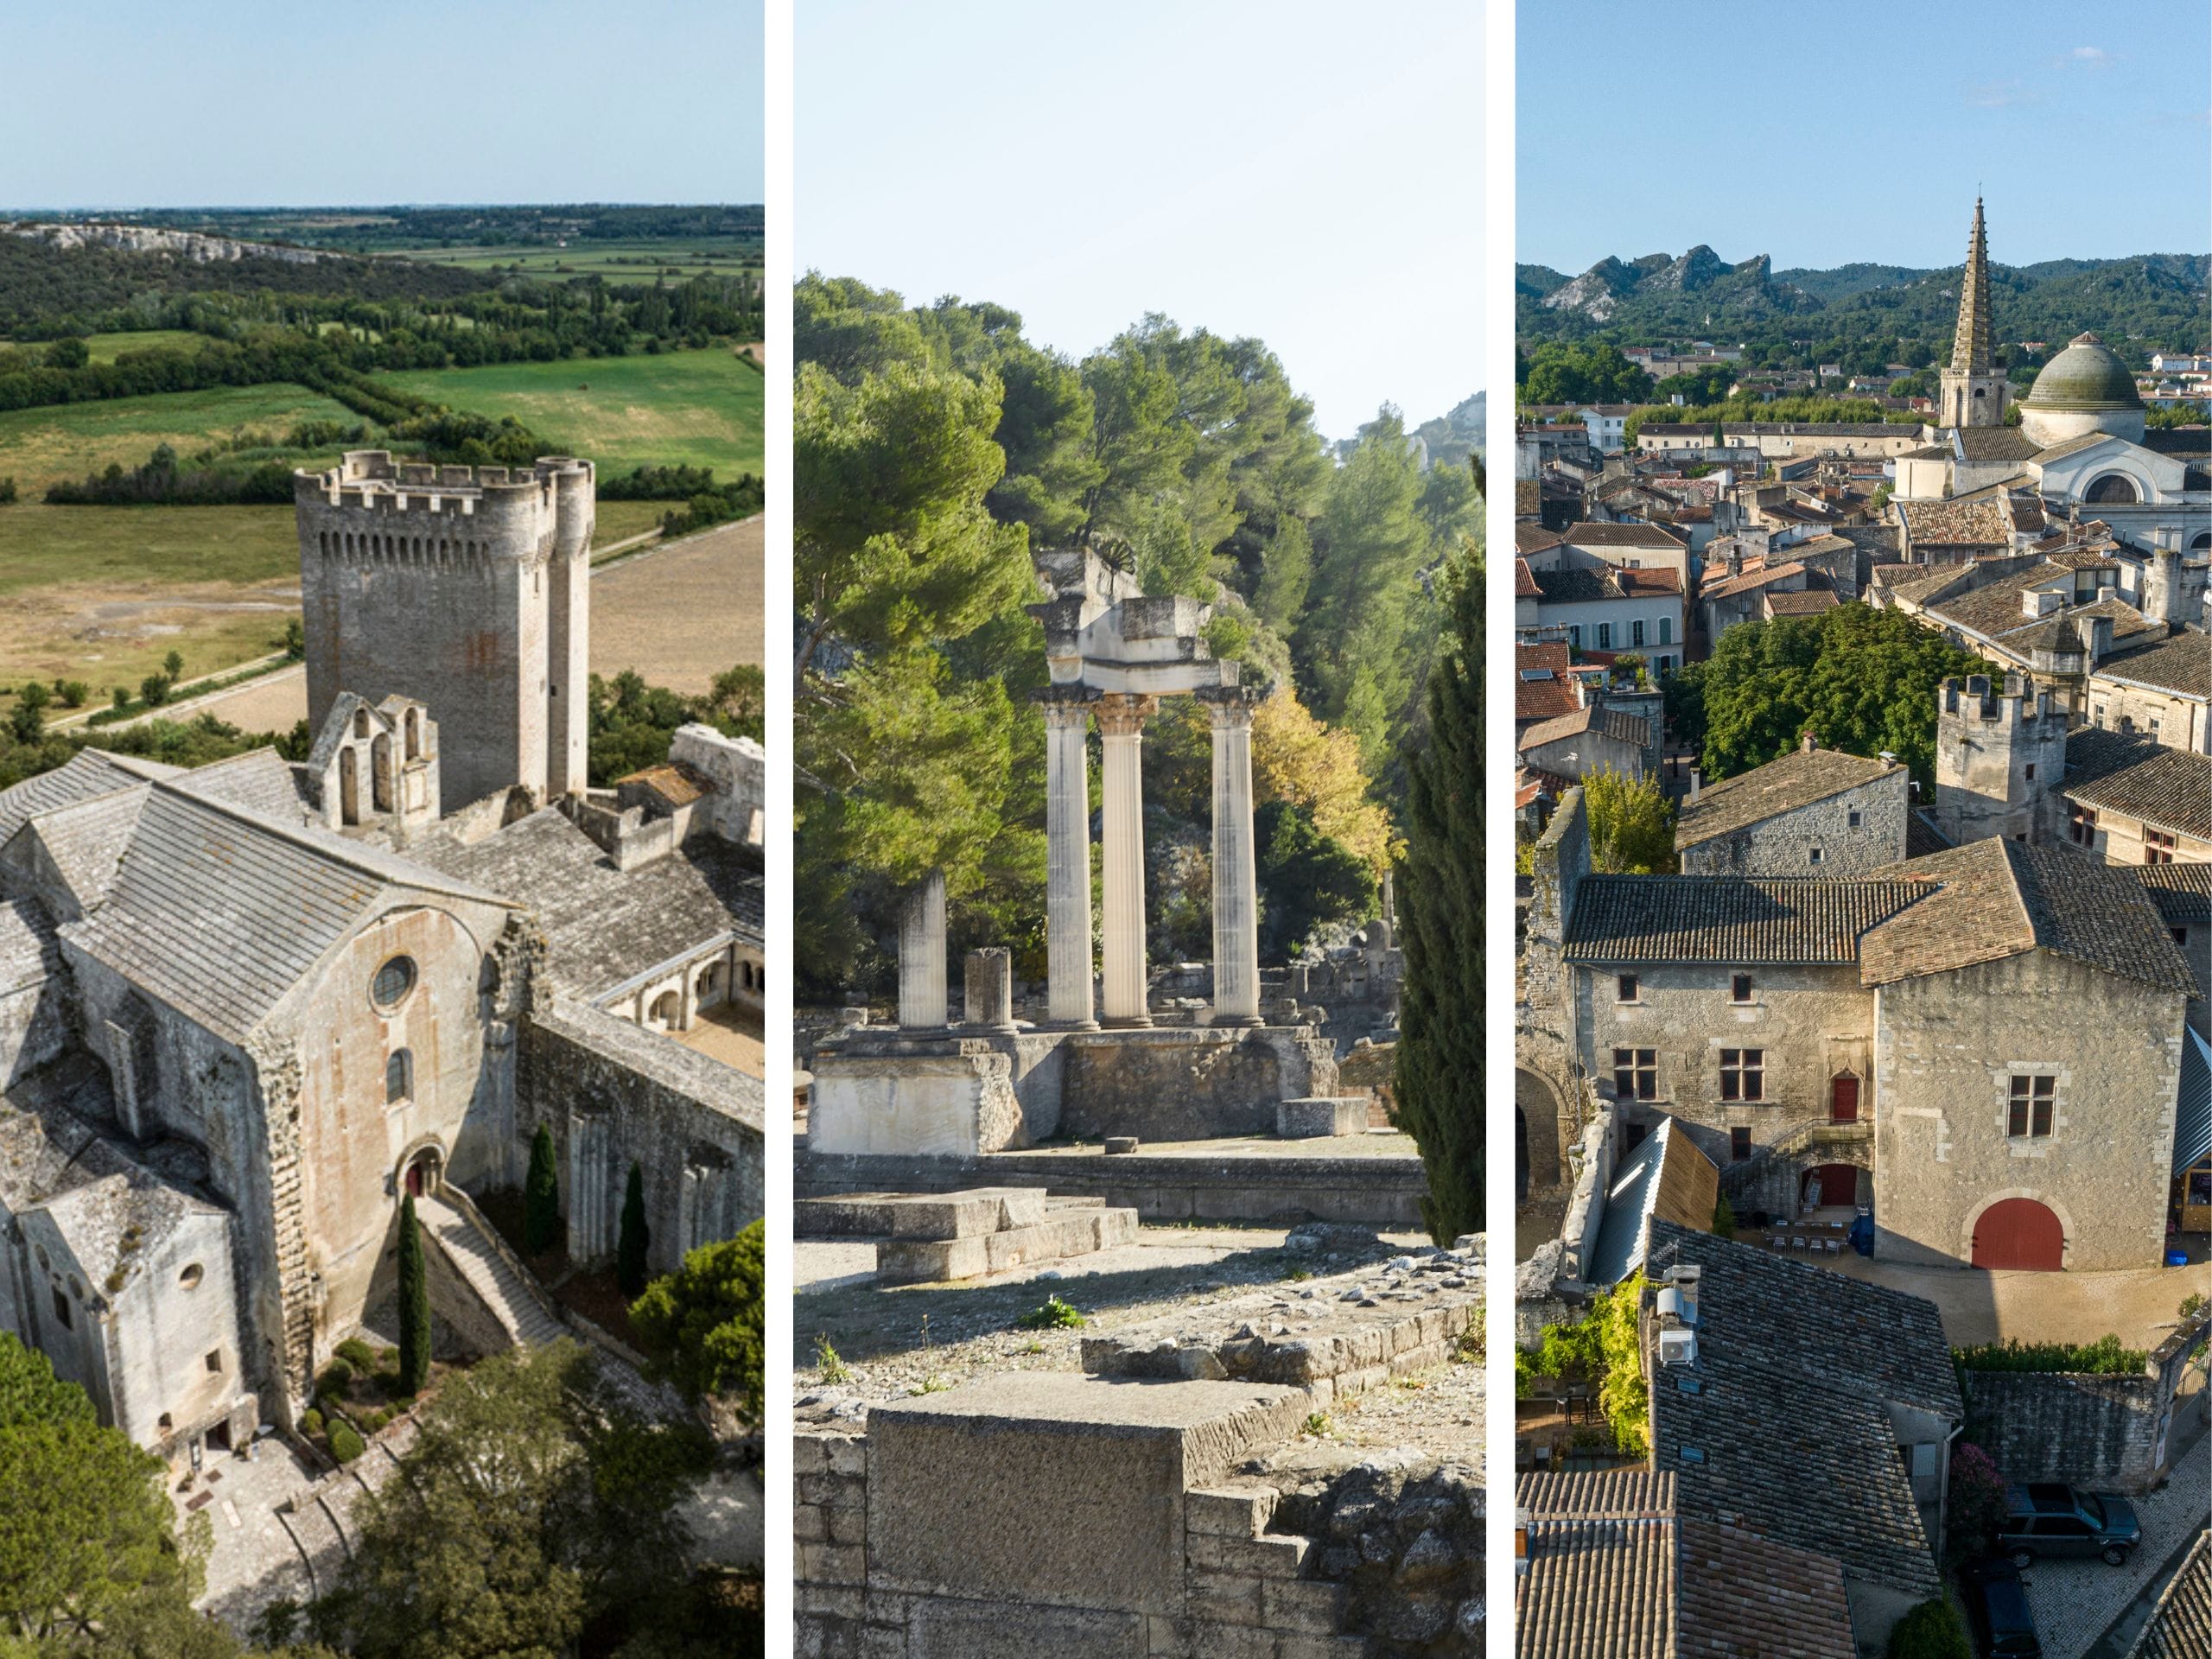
681,613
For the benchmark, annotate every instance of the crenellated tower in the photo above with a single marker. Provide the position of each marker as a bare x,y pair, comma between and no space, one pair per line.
1972,391
2000,757
465,589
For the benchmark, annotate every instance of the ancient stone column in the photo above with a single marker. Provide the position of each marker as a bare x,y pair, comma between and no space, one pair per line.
921,957
1236,895
1067,856
990,989
1121,728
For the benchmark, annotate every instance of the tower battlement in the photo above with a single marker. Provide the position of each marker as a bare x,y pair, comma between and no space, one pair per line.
465,588
2003,701
2000,754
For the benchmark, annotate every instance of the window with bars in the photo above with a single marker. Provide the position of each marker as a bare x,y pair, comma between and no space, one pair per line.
2028,1117
1635,1073
1742,1074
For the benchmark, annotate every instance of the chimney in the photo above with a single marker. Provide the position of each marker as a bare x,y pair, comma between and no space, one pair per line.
1806,742
1697,782
1889,760
1520,1539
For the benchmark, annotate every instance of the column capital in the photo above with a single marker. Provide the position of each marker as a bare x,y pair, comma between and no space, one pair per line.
1230,705
1122,713
1066,706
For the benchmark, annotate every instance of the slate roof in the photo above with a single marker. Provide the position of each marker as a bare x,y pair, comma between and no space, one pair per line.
1616,723
1594,534
1797,1368
2125,772
1666,1175
86,840
2181,1626
1994,898
260,780
604,925
1978,522
219,911
1783,784
85,774
2181,664
2193,1114
1776,921
1743,1597
27,949
1600,1583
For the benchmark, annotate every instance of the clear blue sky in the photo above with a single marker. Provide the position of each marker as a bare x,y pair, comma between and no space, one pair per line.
1308,173
250,103
1829,131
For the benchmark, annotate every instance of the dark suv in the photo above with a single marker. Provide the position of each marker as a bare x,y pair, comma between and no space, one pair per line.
2044,1518
2000,1604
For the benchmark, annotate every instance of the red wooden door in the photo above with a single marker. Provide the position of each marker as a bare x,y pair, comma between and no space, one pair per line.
1839,1183
2019,1233
1843,1098
415,1178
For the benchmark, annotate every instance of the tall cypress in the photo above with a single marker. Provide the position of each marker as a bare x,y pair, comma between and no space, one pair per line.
629,1246
541,1195
414,1302
1440,1066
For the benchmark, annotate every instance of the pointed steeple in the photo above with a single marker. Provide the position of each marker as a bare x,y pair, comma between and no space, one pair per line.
1970,350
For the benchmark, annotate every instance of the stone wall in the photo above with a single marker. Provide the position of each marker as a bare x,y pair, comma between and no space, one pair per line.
1785,843
739,769
34,1024
1950,1045
1188,1085
693,1125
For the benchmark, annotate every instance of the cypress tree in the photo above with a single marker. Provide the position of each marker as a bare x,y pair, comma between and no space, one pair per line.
541,1195
1440,1065
414,1302
629,1247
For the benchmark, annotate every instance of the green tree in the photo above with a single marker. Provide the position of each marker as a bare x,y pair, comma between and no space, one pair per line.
88,1547
629,1247
414,1302
1305,878
1440,1060
1930,1631
541,1195
28,719
534,1502
703,1325
1631,825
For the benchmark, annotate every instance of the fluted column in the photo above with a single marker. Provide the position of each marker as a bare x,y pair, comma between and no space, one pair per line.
921,957
1067,856
1121,728
1236,895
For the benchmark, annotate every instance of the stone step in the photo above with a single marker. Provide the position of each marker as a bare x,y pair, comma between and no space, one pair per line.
497,1284
1059,1235
317,1539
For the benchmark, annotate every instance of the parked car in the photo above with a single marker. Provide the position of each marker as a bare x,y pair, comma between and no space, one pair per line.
1999,1604
2046,1518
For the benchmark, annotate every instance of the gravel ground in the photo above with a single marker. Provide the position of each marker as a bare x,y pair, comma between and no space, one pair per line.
906,1339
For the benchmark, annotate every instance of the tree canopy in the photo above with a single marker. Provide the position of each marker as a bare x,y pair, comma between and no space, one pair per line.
703,1323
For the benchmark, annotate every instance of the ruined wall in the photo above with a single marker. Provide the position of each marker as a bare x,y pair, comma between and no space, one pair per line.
1188,1085
691,1124
1948,1048
739,769
1784,845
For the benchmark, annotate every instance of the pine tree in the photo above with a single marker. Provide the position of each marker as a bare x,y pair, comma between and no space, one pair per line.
1440,1059
414,1302
630,1247
541,1195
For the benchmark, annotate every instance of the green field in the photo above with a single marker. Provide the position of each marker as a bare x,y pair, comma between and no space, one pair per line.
106,348
71,441
618,262
698,409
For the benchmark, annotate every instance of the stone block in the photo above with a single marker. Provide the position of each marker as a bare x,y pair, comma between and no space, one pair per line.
1224,1598
1058,1235
967,1630
1304,1604
1069,1489
1320,1117
1274,1554
1121,1146
1231,1511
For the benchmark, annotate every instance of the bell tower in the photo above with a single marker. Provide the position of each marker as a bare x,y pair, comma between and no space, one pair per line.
1972,391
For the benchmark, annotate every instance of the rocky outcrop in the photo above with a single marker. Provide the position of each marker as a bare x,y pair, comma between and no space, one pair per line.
187,245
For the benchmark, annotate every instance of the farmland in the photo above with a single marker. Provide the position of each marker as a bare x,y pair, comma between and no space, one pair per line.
699,409
41,446
639,261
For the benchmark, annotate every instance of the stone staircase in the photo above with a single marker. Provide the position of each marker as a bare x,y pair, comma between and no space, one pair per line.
489,1269
319,1521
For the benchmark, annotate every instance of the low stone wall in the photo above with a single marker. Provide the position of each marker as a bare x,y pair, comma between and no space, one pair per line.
2111,1432
1377,1191
1188,1085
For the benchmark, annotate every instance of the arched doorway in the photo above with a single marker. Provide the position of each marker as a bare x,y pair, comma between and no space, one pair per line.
2019,1234
419,1178
1536,1136
380,771
1830,1184
349,785
667,1010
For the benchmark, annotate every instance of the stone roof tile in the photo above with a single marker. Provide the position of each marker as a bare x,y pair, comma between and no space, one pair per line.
1777,921
1783,784
2124,772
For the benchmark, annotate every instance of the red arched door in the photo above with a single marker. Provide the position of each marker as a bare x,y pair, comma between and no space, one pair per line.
1839,1183
2019,1233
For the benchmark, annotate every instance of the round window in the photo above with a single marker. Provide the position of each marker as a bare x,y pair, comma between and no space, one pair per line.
393,981
191,1276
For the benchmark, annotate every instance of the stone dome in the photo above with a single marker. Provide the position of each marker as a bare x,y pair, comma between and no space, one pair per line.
2086,375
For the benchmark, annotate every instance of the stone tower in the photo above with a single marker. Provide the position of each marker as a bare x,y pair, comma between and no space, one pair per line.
1972,391
466,590
2001,755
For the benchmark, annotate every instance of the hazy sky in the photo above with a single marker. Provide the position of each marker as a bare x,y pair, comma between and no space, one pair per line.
1308,173
250,103
1826,132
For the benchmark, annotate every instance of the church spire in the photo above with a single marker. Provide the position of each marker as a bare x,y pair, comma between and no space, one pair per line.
1970,350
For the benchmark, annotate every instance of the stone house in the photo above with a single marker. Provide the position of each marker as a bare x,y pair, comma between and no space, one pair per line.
1984,1044
2164,690
1814,812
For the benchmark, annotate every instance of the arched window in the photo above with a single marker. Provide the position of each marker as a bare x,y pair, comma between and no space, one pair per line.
414,734
2113,487
399,1077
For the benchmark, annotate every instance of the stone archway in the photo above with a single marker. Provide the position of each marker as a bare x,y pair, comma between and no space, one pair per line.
1537,1133
2019,1234
422,1171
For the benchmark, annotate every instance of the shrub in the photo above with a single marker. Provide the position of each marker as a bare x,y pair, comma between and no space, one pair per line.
541,1195
358,1354
830,1364
310,1422
1723,1218
1977,1502
345,1444
1055,1315
1930,1631
337,1378
2103,1357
